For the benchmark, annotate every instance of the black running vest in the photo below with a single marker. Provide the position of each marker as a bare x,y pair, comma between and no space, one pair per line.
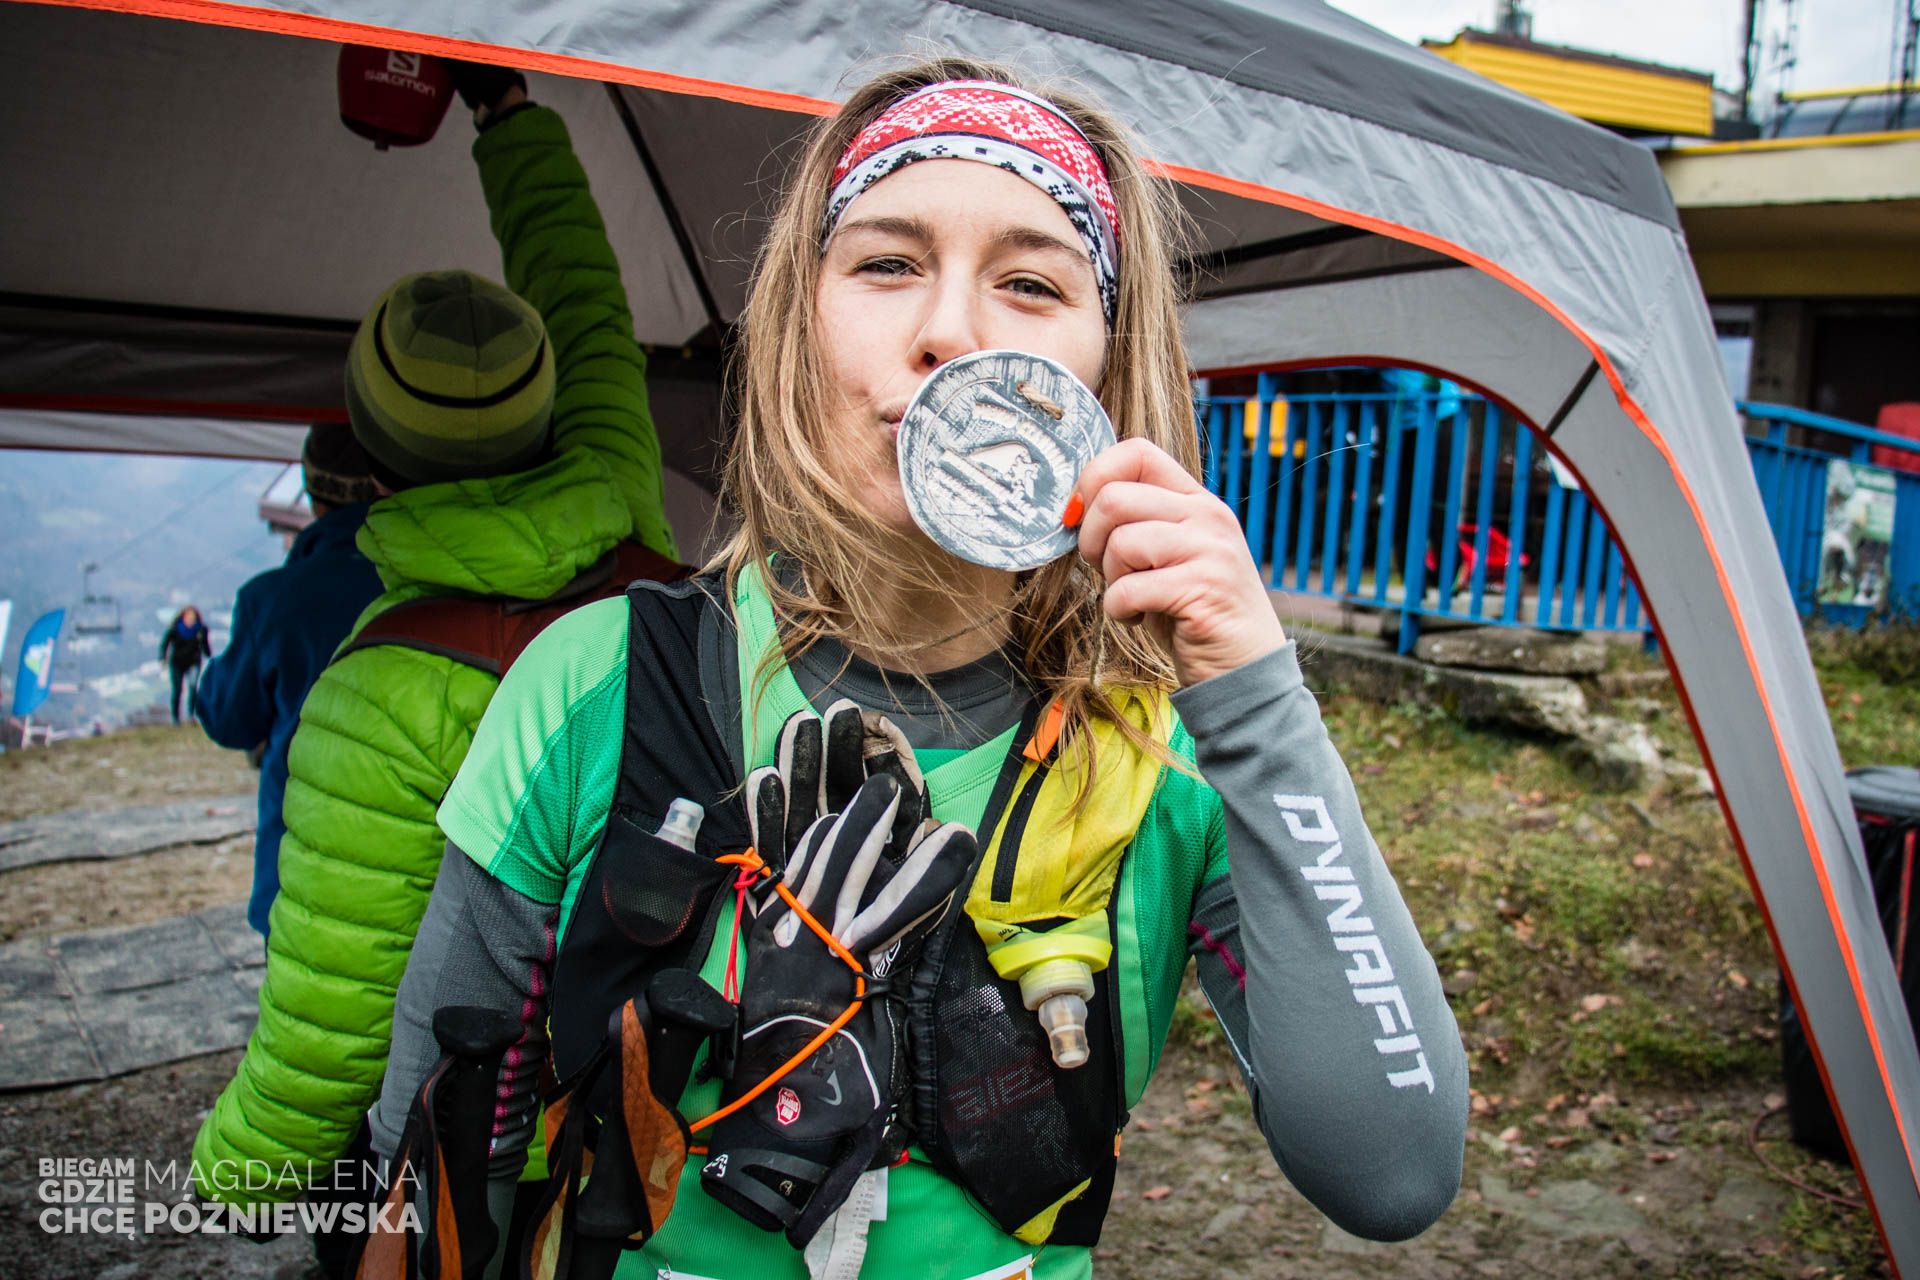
989,1107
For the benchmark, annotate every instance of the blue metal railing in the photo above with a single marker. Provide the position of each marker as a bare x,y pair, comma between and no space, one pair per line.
1808,515
1439,505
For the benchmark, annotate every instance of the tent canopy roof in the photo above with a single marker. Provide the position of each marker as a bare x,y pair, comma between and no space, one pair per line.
209,235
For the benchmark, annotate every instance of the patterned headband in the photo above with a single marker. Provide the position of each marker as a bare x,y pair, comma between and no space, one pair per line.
1000,125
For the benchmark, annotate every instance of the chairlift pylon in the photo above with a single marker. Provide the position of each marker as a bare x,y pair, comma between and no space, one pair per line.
97,615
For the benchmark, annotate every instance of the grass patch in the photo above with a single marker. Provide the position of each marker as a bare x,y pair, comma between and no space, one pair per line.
1643,1042
1871,681
1609,944
148,765
1586,941
1887,648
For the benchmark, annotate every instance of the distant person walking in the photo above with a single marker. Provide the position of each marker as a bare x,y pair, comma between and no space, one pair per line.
184,647
287,622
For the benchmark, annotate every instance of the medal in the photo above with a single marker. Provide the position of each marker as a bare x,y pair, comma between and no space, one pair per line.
991,447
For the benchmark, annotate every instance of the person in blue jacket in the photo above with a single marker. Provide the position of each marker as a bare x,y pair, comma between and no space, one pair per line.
183,646
286,624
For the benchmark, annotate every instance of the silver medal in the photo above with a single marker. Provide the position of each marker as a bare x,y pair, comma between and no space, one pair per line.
991,447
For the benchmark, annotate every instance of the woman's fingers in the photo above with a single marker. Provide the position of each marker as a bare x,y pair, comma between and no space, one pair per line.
1137,460
1123,502
1151,544
1174,558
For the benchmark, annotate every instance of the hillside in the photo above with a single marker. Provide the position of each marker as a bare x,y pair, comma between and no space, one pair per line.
165,532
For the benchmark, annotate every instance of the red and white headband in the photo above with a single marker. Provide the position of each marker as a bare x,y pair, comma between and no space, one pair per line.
1002,126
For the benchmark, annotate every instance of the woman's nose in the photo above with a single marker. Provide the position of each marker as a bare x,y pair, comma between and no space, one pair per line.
951,327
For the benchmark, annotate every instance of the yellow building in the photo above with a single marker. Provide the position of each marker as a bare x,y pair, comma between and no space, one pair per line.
1628,96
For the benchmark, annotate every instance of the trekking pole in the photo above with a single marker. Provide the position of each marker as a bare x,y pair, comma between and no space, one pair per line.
683,1014
475,1039
441,1165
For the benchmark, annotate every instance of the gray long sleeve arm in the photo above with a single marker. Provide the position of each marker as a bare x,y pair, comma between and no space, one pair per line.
1330,998
480,943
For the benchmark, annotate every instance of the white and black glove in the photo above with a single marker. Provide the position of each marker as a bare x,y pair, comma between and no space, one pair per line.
787,1158
819,762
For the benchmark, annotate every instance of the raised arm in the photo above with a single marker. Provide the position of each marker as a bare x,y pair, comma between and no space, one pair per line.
557,257
1333,1003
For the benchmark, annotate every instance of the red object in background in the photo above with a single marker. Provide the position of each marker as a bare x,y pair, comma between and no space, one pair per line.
1899,420
1498,549
395,99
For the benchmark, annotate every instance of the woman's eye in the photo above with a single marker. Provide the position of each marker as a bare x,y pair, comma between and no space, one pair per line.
887,266
1032,287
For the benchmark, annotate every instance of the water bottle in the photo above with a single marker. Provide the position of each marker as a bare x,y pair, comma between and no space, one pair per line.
682,823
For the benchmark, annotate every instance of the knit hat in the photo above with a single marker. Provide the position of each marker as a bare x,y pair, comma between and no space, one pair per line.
333,466
450,378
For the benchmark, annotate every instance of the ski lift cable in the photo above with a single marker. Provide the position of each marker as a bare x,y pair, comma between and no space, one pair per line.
211,565
161,523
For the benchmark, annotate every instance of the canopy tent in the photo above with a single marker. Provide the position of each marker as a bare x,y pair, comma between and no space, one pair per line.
198,236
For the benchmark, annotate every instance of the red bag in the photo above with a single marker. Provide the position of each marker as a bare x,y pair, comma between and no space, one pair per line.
396,99
1900,420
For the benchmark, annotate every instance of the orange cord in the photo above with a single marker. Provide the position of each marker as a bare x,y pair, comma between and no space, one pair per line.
752,861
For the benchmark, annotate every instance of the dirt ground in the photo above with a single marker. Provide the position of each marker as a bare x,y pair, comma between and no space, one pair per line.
137,766
1655,1182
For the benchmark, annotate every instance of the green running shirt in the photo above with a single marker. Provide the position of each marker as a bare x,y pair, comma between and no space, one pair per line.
530,805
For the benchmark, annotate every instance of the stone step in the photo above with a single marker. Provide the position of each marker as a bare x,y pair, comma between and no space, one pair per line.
82,834
85,1006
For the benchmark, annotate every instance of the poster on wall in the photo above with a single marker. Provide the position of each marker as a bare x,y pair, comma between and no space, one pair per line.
1857,538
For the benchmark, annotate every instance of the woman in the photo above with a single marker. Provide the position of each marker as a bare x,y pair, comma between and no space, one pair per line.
183,646
1067,715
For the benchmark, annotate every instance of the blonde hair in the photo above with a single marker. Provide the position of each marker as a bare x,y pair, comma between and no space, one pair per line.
789,497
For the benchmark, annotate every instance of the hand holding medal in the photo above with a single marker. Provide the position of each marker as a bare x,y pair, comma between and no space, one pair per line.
999,448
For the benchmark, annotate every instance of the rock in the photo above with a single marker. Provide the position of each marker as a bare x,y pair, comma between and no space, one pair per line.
1593,1157
1223,1222
1537,704
1616,684
1518,649
1568,1210
1744,1198
125,1271
1620,754
1460,982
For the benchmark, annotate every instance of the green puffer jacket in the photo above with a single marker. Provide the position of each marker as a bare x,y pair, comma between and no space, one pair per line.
385,729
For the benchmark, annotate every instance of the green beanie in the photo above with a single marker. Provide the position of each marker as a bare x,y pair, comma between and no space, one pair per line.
450,377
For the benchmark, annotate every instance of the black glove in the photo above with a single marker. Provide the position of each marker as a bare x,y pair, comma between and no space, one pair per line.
481,84
788,1158
819,762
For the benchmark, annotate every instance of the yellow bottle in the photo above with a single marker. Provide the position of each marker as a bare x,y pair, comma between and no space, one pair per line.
1068,872
1055,969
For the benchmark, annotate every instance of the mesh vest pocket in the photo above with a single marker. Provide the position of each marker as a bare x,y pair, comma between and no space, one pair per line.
992,1109
646,905
652,891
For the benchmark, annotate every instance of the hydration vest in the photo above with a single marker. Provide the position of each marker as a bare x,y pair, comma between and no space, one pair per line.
1034,1144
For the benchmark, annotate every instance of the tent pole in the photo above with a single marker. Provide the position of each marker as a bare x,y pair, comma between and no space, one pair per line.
687,252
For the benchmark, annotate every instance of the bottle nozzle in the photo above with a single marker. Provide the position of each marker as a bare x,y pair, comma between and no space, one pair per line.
682,823
1064,1018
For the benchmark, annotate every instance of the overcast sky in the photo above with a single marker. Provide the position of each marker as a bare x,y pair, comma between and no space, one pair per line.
1840,42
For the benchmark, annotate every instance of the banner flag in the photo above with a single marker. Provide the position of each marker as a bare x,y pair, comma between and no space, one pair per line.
30,689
